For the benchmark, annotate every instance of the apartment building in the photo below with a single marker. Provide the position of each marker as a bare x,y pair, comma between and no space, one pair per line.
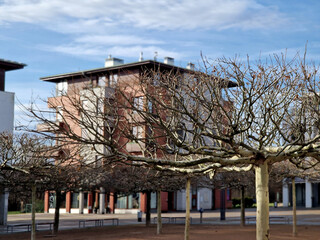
6,122
102,82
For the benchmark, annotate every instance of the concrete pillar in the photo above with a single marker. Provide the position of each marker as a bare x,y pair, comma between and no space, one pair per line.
81,202
4,195
46,202
68,202
285,194
102,201
308,194
90,202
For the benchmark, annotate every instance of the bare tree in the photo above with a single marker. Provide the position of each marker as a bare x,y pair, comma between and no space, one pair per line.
234,180
194,123
287,171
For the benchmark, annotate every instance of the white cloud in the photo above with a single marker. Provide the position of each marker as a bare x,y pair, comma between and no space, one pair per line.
98,51
159,15
96,28
115,40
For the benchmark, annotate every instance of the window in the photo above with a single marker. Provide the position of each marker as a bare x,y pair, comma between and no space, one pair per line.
156,79
98,161
74,200
85,105
62,88
150,107
228,195
102,81
59,114
128,202
113,80
137,104
100,106
137,132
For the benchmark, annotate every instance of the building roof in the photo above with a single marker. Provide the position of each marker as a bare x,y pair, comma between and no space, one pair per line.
10,65
140,64
145,63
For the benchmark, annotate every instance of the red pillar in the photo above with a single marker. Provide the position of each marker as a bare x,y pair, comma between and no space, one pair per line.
90,202
68,202
112,203
164,201
143,202
46,201
96,203
217,198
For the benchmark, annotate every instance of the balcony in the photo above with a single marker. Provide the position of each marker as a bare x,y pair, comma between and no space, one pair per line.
135,147
52,127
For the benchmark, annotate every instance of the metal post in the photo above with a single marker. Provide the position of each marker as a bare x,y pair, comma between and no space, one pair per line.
222,205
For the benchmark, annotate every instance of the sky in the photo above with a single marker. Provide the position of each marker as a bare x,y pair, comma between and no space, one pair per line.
59,36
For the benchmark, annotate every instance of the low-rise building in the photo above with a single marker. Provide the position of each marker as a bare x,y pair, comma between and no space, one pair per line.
6,123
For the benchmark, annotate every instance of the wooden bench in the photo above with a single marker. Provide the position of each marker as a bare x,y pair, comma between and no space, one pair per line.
98,222
29,226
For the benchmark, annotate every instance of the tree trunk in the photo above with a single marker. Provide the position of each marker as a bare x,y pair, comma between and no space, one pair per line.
294,208
159,223
57,212
148,212
243,213
187,226
262,195
33,212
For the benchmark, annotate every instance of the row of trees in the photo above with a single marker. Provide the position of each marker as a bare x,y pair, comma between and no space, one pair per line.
29,163
230,115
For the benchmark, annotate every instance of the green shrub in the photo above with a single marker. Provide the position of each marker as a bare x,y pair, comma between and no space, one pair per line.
248,202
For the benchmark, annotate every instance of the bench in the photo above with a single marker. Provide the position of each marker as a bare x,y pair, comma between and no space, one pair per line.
29,226
11,226
174,219
98,222
44,223
114,220
271,218
171,219
168,219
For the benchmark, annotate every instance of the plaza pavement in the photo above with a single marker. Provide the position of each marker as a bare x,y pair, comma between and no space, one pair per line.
70,221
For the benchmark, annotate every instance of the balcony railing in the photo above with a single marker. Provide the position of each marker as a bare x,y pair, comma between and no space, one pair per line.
135,147
52,127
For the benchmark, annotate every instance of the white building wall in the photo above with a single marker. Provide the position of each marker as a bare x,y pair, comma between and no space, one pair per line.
6,125
204,198
285,194
181,200
7,111
308,194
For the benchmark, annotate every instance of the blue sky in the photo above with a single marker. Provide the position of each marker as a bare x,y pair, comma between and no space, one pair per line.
56,36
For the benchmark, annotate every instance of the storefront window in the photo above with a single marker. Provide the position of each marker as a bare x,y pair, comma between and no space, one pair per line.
153,200
74,200
128,202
